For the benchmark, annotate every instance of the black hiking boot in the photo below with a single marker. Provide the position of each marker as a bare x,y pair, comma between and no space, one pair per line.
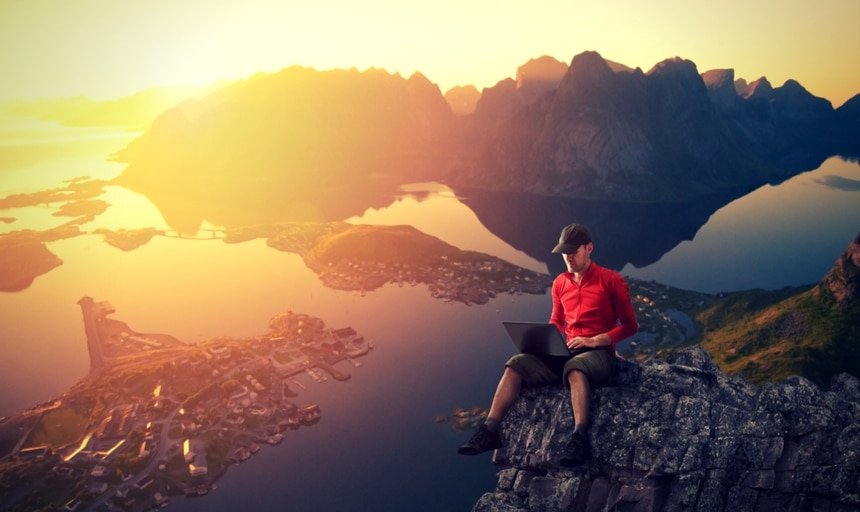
576,452
482,441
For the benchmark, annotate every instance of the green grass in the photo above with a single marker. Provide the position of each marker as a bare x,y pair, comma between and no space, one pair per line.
282,357
59,427
36,489
217,450
188,385
767,336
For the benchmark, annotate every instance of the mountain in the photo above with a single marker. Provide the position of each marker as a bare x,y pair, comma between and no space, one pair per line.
534,79
463,99
298,145
297,123
668,134
680,435
539,76
814,333
849,117
305,145
134,112
850,110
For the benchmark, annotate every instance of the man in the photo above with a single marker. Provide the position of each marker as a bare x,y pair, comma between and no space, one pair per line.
591,307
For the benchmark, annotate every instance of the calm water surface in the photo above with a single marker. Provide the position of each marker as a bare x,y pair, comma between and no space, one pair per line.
776,236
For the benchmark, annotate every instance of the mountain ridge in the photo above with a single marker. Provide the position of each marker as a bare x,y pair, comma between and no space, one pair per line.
603,131
668,134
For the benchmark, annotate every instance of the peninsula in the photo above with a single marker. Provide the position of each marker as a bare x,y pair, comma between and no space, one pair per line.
157,417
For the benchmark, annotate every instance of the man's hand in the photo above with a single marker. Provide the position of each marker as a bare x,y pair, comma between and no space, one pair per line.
601,340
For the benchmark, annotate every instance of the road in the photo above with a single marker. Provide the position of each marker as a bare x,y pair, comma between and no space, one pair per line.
164,442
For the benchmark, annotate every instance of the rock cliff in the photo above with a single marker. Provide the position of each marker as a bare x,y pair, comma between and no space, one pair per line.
680,435
843,280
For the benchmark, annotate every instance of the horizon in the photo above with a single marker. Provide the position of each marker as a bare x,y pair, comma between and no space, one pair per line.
104,50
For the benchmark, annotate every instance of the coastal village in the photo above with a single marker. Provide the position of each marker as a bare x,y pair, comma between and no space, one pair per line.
451,280
157,418
664,316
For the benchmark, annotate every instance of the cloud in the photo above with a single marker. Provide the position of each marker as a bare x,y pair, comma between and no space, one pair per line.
839,183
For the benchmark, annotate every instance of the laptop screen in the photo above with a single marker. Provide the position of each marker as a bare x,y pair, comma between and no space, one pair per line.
540,339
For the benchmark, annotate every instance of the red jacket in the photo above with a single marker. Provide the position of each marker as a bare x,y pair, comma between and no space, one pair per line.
599,304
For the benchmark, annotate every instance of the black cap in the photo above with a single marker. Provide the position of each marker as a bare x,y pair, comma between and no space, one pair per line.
572,236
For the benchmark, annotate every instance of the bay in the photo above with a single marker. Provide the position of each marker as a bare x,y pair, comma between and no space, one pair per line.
788,234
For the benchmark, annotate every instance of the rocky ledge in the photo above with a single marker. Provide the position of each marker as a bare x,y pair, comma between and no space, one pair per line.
680,435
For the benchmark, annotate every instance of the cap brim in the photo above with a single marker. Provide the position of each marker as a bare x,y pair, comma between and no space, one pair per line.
565,248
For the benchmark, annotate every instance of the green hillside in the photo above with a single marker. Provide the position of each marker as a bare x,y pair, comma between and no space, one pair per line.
799,335
768,335
383,244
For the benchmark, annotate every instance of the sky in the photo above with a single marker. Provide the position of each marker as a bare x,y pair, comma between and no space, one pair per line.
107,48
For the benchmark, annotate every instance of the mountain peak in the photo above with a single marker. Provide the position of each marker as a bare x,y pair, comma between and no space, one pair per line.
792,91
588,73
539,76
851,109
720,84
673,66
589,63
463,99
541,69
719,78
760,88
418,77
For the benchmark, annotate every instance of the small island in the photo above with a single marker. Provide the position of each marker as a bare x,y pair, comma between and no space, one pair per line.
88,208
24,256
23,253
127,239
77,190
157,417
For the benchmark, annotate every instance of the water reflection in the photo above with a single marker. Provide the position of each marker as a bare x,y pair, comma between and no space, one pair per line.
775,236
434,209
636,233
249,203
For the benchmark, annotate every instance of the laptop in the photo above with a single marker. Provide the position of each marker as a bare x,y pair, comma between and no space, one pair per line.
540,339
